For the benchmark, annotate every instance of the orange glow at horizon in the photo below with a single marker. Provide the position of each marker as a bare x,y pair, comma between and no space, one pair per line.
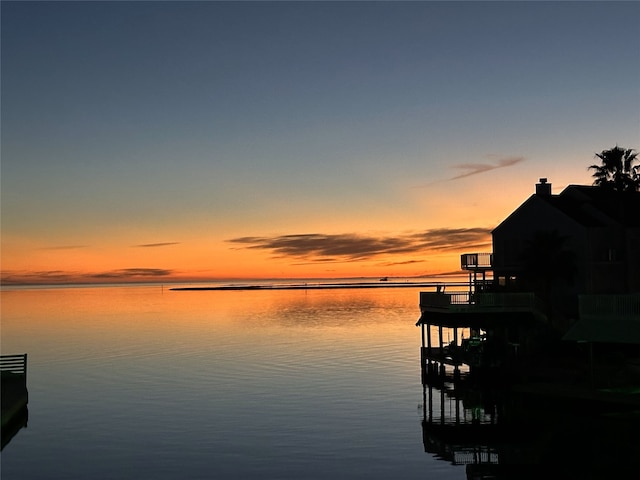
202,262
207,255
202,257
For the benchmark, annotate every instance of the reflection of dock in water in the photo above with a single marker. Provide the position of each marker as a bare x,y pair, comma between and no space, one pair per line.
13,369
503,433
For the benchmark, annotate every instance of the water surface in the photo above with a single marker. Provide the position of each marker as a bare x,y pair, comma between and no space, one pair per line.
145,382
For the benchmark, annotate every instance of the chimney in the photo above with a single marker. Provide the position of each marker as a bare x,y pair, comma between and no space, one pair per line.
543,188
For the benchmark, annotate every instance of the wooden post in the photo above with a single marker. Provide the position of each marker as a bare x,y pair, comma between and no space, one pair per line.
429,346
25,370
423,354
424,403
591,366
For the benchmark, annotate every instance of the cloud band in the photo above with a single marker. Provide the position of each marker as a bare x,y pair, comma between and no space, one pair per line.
321,247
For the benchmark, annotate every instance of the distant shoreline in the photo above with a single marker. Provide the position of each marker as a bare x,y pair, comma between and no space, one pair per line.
257,283
322,286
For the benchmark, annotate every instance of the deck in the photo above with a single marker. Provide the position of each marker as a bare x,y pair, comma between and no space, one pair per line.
14,395
469,309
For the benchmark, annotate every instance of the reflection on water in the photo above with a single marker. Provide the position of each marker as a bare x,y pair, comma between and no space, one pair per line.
143,382
503,434
17,421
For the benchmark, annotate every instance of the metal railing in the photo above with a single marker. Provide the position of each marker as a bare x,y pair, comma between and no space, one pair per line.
615,306
472,261
14,366
470,301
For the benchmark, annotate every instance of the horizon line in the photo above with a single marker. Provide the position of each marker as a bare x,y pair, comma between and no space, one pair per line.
389,279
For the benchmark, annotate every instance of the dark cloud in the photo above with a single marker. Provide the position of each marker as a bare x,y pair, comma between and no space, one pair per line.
162,244
408,262
37,277
52,275
476,168
65,277
452,238
129,273
323,245
318,247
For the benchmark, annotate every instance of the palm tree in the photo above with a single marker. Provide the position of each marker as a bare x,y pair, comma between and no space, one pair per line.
617,171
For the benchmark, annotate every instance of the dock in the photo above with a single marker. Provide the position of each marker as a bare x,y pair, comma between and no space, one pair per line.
14,395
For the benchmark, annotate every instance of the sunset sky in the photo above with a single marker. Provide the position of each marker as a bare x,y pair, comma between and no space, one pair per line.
158,141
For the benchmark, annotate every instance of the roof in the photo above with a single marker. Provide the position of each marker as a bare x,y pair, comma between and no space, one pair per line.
591,206
606,330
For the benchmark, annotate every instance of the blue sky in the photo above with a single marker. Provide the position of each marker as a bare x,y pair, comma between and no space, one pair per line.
190,125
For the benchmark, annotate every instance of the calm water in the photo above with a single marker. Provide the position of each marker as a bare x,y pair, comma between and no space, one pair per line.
144,382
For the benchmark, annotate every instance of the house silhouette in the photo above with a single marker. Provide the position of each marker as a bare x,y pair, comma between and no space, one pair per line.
602,231
565,274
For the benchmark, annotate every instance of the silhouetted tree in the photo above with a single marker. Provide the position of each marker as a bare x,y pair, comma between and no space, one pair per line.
617,171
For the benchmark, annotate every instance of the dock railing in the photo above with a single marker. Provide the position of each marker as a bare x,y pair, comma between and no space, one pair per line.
14,367
471,301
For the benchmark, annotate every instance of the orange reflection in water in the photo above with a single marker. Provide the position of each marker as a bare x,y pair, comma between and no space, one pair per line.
115,321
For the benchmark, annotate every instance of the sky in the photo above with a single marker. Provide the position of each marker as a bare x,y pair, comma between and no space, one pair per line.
186,141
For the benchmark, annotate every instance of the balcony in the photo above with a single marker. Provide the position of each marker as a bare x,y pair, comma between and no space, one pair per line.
478,302
476,261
